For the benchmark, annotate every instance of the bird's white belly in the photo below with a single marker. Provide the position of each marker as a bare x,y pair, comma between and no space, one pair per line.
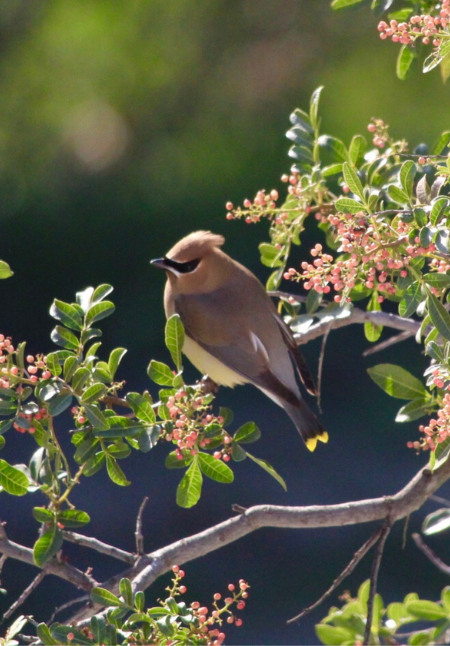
209,365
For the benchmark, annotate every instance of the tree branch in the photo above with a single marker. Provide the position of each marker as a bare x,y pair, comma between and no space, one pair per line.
99,546
358,316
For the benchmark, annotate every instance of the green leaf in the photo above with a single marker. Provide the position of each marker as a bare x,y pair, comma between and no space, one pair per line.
237,452
119,427
105,598
12,480
214,468
114,360
68,314
115,472
141,407
431,61
341,4
352,180
268,468
60,403
64,337
313,301
79,379
99,311
47,545
372,331
5,270
43,515
440,318
438,209
314,107
173,462
407,173
405,59
270,255
53,364
441,281
348,205
148,439
174,338
397,195
61,633
93,393
96,417
247,433
333,635
160,373
100,292
73,518
126,591
335,145
426,610
442,143
274,280
397,382
436,522
414,409
44,634
357,148
190,488
411,300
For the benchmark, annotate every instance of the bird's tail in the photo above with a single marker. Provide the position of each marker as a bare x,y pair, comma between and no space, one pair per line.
306,423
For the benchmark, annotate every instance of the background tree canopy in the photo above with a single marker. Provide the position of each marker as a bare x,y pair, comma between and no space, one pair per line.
124,126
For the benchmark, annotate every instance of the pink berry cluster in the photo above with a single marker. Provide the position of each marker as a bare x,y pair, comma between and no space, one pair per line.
262,205
380,132
191,419
10,373
41,414
425,27
210,620
437,430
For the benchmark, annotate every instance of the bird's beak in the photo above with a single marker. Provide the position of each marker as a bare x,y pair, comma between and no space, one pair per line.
160,263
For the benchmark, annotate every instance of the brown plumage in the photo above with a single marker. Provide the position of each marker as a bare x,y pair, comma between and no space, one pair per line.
233,331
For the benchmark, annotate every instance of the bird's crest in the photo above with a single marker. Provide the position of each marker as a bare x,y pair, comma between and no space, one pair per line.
195,245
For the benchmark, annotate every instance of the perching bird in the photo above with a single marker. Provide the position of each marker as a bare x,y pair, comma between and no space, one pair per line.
233,331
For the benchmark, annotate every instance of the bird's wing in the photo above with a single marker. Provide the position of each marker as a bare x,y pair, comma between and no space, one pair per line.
214,329
302,369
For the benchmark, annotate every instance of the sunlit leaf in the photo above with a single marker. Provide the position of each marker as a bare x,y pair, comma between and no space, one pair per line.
397,382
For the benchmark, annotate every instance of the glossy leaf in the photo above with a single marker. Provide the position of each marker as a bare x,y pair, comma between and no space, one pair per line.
372,331
105,598
352,180
114,360
397,195
438,209
335,146
247,433
270,255
405,59
160,373
410,301
64,337
115,472
407,174
314,106
269,469
93,393
68,314
174,338
99,311
214,468
96,417
100,292
12,480
341,4
43,515
47,545
414,409
5,270
60,403
440,318
349,205
437,521
397,382
426,610
73,518
142,407
190,488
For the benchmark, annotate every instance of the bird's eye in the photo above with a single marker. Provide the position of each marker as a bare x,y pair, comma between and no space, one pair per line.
182,267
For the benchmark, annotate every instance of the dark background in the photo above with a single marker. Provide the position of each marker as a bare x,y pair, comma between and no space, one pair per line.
125,125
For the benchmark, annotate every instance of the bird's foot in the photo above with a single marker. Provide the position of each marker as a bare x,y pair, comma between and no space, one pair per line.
208,386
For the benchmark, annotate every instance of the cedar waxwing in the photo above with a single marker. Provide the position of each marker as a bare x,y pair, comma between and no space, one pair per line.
233,331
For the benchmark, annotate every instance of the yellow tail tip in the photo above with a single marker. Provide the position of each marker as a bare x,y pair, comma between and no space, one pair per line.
311,442
323,437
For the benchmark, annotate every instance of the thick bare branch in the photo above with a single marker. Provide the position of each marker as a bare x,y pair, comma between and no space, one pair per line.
403,503
99,546
358,316
58,568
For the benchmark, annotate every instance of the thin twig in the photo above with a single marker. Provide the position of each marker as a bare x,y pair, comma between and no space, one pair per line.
3,560
319,371
378,347
374,577
357,557
443,567
24,596
99,546
443,501
138,533
66,605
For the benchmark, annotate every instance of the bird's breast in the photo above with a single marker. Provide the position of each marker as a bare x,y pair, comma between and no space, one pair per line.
207,364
